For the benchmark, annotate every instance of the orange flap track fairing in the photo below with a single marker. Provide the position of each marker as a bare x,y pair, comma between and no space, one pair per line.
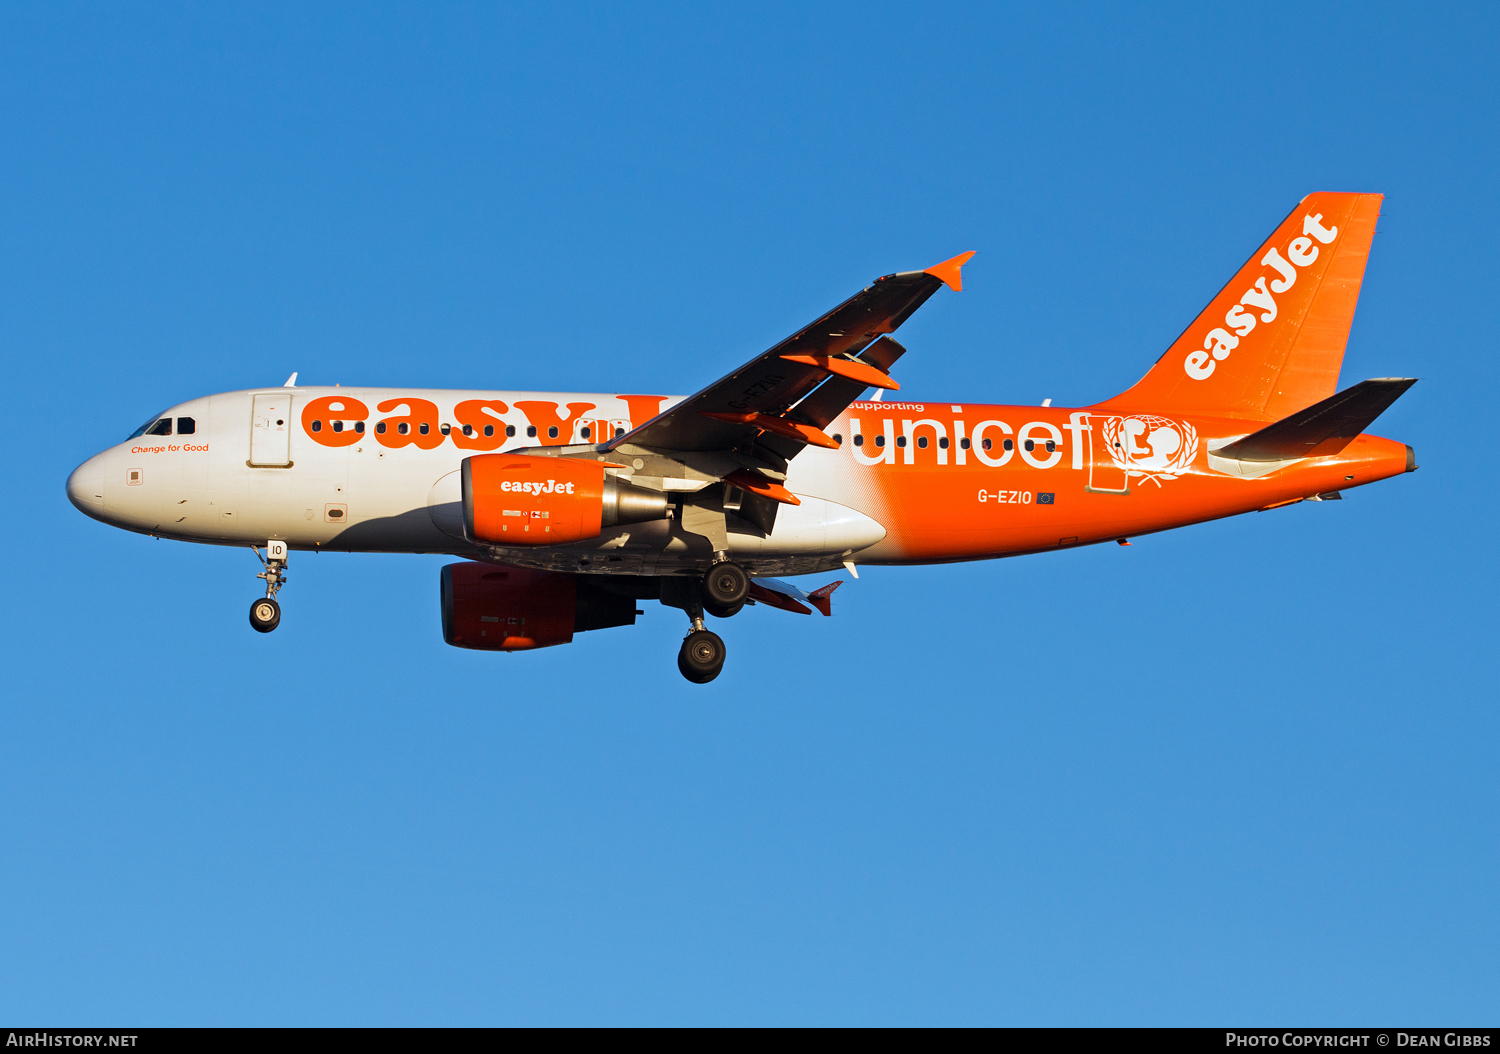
781,426
755,483
847,368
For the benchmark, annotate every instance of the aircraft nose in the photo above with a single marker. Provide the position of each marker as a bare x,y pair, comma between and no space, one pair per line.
86,487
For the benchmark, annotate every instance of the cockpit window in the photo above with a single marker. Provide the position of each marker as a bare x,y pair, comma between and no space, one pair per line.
186,426
153,424
161,428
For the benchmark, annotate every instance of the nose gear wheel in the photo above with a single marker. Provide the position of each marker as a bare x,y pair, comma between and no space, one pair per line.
265,614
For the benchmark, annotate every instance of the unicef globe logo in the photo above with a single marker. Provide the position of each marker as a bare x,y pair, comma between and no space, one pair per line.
1149,447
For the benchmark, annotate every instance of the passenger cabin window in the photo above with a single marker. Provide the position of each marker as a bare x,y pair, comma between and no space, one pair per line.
619,431
489,430
964,443
1051,446
986,443
859,440
900,440
510,430
552,432
531,431
469,429
338,426
1030,445
838,440
880,440
445,429
921,442
186,426
161,428
943,442
317,426
1008,445
585,433
423,428
359,426
380,428
403,428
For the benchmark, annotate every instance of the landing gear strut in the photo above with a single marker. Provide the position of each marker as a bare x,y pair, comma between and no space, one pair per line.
265,613
703,651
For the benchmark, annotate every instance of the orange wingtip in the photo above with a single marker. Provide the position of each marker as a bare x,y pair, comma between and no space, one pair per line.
822,599
781,426
947,272
862,372
755,483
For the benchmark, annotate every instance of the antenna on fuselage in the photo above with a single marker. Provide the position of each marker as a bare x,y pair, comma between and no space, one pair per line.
291,382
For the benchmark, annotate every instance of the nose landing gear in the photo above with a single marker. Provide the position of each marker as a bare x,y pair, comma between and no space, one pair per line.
265,613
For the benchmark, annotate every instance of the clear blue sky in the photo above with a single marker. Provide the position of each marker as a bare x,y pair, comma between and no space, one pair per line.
1240,773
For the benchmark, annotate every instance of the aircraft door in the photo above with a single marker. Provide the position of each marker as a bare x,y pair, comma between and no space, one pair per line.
1107,456
271,431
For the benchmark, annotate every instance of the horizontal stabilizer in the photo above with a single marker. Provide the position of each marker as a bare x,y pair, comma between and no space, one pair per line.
1323,428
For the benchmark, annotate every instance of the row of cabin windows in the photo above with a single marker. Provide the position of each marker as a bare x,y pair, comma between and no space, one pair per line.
186,426
943,443
338,426
401,429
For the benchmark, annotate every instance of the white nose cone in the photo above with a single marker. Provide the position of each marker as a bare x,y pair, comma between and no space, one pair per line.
86,487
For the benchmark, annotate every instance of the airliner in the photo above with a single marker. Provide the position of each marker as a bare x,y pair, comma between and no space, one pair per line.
567,509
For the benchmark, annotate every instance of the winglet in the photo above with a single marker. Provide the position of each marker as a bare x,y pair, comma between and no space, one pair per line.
947,272
822,599
291,382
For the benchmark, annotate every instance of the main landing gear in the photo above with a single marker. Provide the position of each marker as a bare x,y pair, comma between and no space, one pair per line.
721,593
702,655
265,613
725,586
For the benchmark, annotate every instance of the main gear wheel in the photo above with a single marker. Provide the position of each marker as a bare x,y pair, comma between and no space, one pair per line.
702,656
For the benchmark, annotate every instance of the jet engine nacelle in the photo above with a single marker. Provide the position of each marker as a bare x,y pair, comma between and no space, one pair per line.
492,608
521,499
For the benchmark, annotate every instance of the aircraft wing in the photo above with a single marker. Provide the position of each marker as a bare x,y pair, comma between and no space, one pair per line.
787,394
787,597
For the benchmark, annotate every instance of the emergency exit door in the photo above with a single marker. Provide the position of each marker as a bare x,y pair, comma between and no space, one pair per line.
271,431
1107,459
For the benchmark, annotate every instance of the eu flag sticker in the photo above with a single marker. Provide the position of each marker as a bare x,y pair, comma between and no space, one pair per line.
1043,499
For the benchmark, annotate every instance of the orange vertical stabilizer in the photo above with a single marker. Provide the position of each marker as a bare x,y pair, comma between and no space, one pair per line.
1272,341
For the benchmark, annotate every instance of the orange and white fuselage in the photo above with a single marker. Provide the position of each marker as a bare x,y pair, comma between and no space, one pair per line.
928,481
